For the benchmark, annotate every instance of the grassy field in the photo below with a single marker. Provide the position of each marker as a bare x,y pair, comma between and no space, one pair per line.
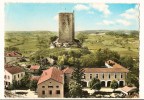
124,46
27,42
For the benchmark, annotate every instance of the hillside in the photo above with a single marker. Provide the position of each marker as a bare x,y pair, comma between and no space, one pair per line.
29,42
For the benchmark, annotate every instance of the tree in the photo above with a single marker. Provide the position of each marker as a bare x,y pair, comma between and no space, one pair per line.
114,85
77,74
134,34
132,79
75,86
95,84
33,85
88,60
10,48
14,84
71,61
25,81
53,38
127,61
61,61
103,55
75,89
82,37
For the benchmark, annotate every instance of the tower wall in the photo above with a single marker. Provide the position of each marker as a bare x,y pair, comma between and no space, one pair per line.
66,27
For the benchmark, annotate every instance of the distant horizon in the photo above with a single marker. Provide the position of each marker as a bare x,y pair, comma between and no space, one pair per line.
95,16
75,31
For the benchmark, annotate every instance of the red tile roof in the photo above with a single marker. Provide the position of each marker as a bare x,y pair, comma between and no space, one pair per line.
114,64
67,70
14,70
34,67
8,65
104,70
115,69
12,54
35,78
51,73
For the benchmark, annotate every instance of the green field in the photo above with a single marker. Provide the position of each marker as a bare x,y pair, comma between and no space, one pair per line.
124,46
28,42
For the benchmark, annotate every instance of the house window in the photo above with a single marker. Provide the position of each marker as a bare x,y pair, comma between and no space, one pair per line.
43,92
5,77
14,77
121,75
21,75
57,86
57,91
96,75
109,76
8,77
18,75
50,92
43,86
90,76
103,76
50,86
115,75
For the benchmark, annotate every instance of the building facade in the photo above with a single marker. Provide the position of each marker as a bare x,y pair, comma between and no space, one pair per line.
51,84
112,71
66,27
13,73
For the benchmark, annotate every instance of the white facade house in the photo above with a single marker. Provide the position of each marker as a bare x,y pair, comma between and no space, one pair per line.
13,73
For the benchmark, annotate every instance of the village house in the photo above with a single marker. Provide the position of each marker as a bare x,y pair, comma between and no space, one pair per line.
34,68
51,83
12,57
112,71
34,78
13,73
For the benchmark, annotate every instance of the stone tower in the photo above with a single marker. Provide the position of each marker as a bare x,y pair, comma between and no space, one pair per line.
66,27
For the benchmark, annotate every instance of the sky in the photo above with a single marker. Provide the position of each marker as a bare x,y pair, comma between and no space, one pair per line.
88,16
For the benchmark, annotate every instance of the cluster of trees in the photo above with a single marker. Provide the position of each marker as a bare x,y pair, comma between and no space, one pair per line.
10,48
132,34
82,37
96,84
90,59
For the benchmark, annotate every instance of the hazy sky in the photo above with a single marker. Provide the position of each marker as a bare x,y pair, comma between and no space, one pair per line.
40,16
